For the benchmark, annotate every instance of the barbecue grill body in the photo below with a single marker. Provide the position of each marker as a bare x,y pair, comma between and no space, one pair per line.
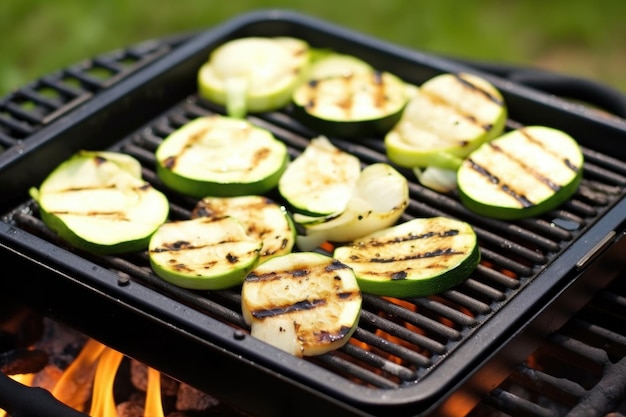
127,308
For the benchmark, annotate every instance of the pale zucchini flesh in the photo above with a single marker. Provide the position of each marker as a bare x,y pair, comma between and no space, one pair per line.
98,202
221,156
261,217
449,116
524,173
420,257
304,303
203,253
320,180
254,74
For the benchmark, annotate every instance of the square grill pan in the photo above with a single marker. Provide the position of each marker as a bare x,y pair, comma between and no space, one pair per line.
408,357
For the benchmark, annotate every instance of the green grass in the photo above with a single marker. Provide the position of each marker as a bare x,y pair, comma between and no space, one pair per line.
575,37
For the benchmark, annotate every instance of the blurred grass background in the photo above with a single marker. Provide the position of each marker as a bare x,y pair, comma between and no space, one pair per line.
575,37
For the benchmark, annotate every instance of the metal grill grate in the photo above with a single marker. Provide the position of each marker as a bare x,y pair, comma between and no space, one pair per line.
398,341
33,106
579,371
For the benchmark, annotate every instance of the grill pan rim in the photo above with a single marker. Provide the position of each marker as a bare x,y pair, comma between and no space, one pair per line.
181,56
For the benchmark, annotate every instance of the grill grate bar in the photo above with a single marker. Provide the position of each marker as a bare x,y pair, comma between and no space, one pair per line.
397,330
497,277
579,371
408,355
377,362
346,367
516,406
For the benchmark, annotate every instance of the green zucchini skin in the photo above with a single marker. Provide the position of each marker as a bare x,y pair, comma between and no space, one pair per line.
203,253
524,173
98,202
417,258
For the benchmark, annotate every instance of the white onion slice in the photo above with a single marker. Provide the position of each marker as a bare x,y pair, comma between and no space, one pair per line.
378,200
438,179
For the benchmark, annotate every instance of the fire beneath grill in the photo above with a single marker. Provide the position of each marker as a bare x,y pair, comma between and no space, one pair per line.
579,371
97,380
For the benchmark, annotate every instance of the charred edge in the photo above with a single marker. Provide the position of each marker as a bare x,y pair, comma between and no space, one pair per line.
169,162
424,255
255,277
547,181
325,336
335,265
299,306
174,246
474,87
399,276
524,202
347,295
539,143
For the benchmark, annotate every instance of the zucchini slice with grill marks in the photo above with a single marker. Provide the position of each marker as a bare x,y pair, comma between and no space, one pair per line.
416,258
304,303
352,105
221,156
203,253
254,74
320,180
448,116
98,202
523,173
262,218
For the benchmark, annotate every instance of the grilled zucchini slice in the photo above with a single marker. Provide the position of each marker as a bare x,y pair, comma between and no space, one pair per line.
320,180
254,74
352,105
304,303
98,202
416,258
524,173
203,253
221,156
262,218
448,116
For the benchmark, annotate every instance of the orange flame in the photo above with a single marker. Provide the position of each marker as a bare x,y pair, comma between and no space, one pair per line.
154,407
74,386
103,404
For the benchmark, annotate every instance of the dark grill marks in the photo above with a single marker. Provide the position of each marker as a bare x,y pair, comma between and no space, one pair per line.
428,254
479,90
524,202
474,89
299,274
280,310
525,169
538,143
434,253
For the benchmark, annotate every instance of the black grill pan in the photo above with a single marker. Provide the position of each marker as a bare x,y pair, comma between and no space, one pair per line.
408,358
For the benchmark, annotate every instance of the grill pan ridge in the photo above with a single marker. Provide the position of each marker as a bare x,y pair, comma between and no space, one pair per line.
437,343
